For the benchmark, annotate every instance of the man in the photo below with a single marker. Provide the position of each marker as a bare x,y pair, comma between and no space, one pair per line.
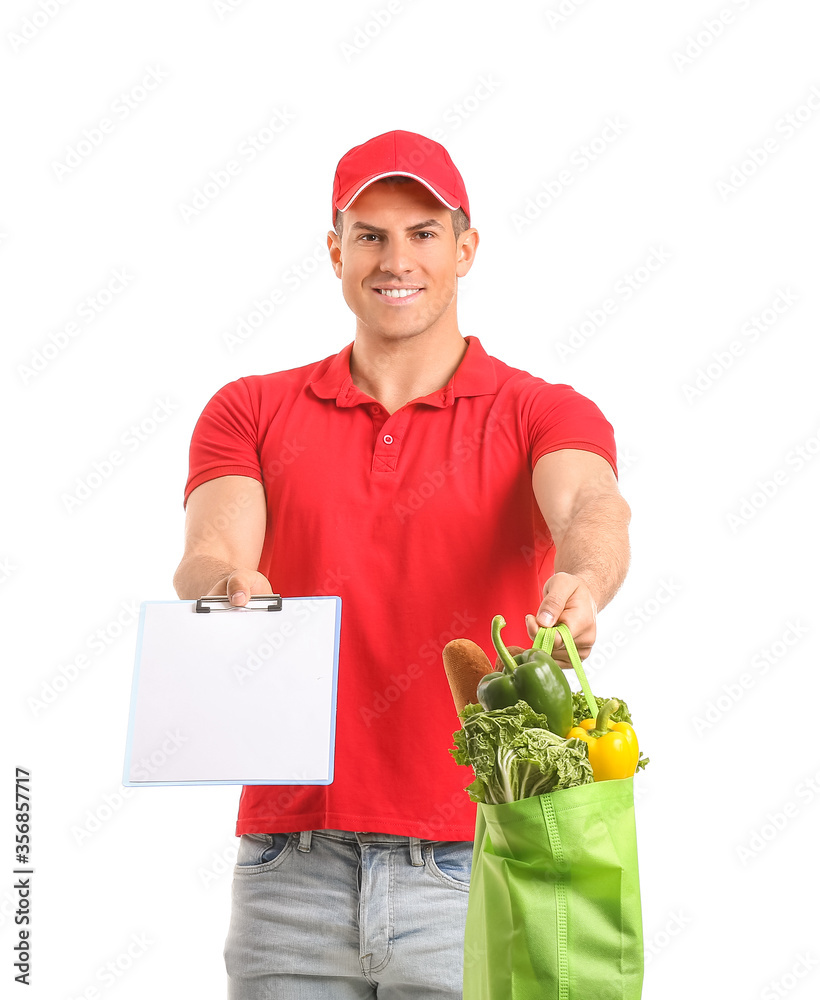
431,487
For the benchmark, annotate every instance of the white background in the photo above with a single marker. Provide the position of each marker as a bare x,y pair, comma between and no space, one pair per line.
722,481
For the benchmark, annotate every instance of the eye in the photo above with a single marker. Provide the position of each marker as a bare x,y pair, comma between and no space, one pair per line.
425,233
369,236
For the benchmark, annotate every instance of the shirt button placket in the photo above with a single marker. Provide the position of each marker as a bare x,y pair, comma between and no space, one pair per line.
388,442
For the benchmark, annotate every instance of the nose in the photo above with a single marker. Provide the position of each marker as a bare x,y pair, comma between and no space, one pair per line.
396,258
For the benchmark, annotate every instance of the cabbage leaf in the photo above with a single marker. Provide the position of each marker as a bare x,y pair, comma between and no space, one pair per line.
514,755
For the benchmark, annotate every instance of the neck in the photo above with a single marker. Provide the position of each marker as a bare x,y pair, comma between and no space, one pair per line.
396,372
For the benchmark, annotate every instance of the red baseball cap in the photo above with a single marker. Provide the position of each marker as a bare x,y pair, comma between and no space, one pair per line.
406,153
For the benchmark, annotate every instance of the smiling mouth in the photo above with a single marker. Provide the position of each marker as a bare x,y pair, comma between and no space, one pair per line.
397,294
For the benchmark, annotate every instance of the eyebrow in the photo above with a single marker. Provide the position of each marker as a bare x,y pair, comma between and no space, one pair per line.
427,224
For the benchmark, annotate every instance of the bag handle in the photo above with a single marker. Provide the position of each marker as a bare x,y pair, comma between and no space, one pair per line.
545,639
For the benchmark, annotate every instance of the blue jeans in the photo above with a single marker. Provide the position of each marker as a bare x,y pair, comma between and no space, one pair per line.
334,915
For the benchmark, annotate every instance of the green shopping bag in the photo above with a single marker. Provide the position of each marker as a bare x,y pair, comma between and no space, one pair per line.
554,910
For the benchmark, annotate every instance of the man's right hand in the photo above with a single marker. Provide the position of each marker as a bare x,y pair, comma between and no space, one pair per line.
240,585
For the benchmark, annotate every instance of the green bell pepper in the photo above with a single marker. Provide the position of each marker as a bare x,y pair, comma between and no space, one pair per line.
532,676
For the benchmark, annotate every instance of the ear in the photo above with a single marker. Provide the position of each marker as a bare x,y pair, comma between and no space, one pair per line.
335,247
466,251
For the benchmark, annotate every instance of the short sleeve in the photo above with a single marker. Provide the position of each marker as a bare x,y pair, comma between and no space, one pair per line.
224,441
559,417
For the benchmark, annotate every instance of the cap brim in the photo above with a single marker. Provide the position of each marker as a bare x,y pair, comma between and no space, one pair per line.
344,202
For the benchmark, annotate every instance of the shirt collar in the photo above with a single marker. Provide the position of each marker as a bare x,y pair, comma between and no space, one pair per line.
475,376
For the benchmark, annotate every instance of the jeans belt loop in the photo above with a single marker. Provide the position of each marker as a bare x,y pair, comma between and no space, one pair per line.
415,852
304,840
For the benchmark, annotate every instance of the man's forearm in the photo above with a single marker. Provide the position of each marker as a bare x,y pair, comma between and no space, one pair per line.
198,575
595,546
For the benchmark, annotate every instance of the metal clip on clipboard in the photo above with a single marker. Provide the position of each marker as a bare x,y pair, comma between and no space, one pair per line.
256,602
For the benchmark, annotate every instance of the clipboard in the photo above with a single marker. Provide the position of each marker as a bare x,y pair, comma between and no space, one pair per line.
225,695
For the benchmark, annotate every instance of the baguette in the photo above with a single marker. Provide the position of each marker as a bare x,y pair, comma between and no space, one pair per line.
465,663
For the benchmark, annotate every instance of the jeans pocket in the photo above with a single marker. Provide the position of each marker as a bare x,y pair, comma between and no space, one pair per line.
450,861
262,852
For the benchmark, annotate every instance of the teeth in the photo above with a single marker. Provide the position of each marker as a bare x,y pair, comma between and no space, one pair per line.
398,293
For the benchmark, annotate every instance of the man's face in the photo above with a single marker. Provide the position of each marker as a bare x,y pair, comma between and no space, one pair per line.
400,236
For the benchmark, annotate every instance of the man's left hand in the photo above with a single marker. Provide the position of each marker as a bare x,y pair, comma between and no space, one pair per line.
567,599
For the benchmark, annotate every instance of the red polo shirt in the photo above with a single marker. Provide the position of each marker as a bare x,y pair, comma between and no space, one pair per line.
425,524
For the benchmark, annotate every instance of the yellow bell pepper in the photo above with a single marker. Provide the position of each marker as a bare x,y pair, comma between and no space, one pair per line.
613,746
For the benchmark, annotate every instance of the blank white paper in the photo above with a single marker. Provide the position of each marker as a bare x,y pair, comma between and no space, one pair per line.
241,696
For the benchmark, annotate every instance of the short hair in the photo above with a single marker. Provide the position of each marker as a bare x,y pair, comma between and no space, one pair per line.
458,215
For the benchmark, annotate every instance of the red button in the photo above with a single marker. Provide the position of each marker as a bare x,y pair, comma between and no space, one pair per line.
387,439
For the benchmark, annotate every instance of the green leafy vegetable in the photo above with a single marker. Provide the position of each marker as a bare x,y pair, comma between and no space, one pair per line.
580,711
514,755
